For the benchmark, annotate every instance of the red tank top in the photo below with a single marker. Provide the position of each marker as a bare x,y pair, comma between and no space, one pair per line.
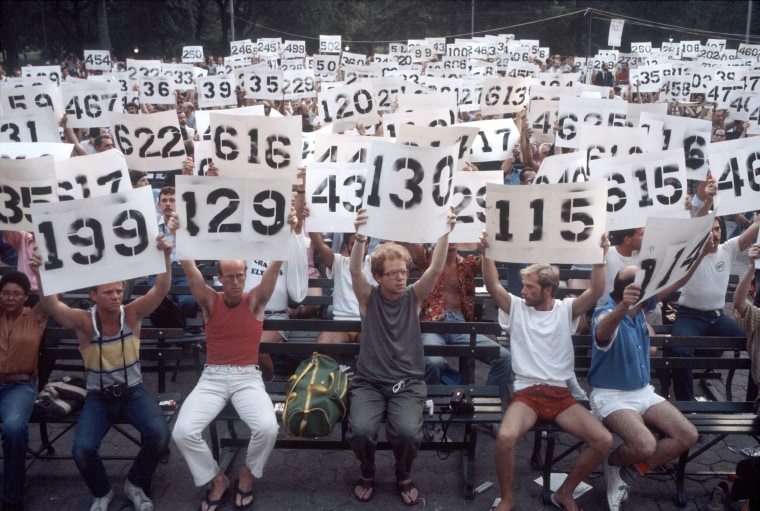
233,335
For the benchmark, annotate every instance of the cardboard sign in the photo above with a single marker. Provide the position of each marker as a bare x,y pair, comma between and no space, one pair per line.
425,136
560,223
735,166
22,150
151,143
406,183
348,105
24,183
92,175
334,192
216,91
89,104
668,251
563,168
469,201
495,140
29,126
97,240
505,95
233,217
640,186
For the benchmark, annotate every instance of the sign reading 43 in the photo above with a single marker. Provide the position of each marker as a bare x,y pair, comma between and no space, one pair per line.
334,192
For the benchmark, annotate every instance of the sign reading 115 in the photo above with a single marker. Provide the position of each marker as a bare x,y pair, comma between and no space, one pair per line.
569,214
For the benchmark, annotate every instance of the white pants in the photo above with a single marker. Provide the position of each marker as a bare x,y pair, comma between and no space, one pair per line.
218,385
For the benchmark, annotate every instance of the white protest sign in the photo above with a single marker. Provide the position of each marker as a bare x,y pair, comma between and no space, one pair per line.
735,166
495,140
671,246
143,68
407,183
754,116
191,54
247,144
522,70
52,73
97,60
692,135
421,117
600,141
504,95
182,74
22,150
749,50
690,49
25,182
643,47
299,84
470,93
203,155
294,49
738,102
335,148
90,104
574,112
558,223
216,91
409,101
562,168
542,114
151,143
263,83
242,48
101,239
719,92
233,217
29,126
616,32
326,67
650,78
329,44
33,98
348,105
92,175
469,201
640,186
157,90
440,136
334,192
202,122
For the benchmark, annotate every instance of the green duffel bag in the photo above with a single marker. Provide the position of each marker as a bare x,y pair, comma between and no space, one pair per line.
316,398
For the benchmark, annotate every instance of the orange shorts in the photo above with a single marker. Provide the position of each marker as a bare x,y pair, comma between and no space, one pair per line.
353,336
546,400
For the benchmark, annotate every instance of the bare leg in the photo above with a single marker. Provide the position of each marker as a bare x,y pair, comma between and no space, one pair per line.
245,485
265,361
579,422
518,419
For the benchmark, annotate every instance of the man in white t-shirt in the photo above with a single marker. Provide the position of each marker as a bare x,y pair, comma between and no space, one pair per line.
700,306
624,251
541,329
345,304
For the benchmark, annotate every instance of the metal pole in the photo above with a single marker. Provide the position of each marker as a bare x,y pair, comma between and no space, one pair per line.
472,20
588,44
232,20
749,20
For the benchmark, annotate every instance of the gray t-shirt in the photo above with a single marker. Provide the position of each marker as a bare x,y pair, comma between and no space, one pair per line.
391,347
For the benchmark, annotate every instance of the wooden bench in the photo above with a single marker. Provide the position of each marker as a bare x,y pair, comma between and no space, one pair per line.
720,418
485,397
64,355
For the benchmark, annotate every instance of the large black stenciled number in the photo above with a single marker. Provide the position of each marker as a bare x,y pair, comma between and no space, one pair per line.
277,213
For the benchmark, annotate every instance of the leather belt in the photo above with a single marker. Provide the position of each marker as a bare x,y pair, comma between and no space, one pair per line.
713,313
268,313
19,377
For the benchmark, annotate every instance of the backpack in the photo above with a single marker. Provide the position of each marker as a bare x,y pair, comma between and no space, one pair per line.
316,397
167,315
59,398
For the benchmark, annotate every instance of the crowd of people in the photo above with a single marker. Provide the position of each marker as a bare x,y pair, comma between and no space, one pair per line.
535,376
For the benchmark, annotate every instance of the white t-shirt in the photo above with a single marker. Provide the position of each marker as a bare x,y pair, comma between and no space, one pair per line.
615,263
345,304
541,342
279,299
706,289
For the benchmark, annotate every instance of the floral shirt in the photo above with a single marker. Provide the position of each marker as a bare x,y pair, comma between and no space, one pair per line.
467,268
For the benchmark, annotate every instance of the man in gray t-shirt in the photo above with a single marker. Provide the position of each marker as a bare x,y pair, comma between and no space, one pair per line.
390,370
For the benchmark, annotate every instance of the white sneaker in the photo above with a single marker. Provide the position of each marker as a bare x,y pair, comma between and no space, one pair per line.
617,489
137,496
102,503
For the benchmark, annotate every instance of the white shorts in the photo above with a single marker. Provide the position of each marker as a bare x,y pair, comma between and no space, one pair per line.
605,401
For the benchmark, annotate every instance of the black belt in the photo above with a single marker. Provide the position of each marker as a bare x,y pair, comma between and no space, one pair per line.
274,312
713,313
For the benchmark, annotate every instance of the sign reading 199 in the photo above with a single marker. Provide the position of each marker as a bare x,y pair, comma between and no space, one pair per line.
88,235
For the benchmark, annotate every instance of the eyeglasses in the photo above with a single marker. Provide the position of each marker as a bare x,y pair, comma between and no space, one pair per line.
229,277
397,273
12,294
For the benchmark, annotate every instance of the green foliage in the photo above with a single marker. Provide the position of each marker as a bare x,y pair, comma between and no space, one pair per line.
161,28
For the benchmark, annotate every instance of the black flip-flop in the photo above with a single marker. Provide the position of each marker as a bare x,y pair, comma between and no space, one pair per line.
213,505
406,489
243,495
366,485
